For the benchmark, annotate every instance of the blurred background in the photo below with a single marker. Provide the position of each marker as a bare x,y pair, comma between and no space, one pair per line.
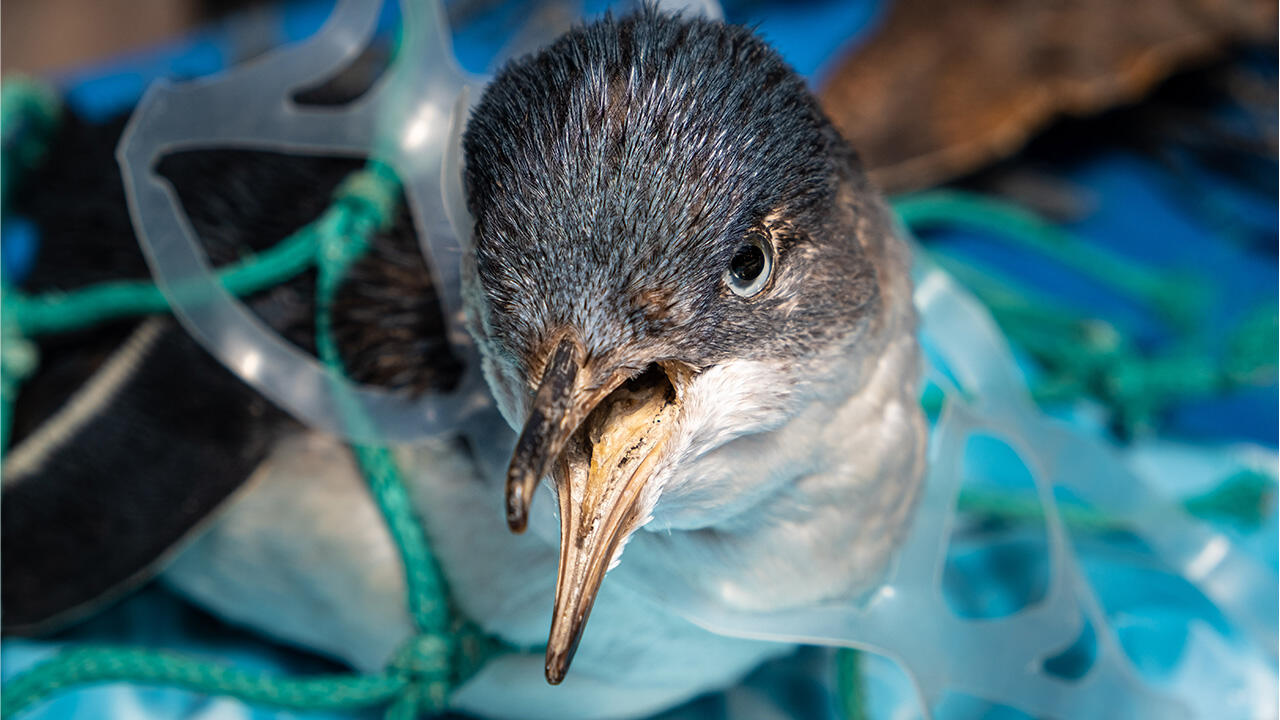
1101,175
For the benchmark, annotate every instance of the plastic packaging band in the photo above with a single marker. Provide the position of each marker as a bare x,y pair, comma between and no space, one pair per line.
404,120
1002,659
412,119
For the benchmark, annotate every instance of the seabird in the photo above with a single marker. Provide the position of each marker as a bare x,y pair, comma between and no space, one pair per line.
688,296
691,304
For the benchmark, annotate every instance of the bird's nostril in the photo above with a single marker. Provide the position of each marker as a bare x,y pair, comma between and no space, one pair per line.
652,376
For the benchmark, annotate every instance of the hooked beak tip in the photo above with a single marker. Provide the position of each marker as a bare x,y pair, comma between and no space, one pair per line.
557,666
517,524
517,505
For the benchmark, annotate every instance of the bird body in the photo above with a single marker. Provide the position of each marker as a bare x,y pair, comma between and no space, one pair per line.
302,556
612,178
693,306
672,245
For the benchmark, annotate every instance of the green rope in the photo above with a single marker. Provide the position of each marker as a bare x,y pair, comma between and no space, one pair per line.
92,665
18,360
370,199
1252,350
23,316
29,114
1243,499
56,312
423,578
419,678
1083,355
1178,298
422,673
850,692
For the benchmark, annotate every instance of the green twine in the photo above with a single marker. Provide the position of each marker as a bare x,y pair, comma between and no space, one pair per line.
418,679
850,695
56,312
1243,499
18,360
420,676
29,114
90,665
370,198
23,316
1178,298
1088,356
1252,350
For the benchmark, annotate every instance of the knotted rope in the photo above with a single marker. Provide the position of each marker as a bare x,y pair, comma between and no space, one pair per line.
420,676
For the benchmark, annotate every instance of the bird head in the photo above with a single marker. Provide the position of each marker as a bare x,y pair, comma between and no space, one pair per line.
673,251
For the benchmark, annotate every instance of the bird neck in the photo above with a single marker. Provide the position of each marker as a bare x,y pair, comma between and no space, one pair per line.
844,476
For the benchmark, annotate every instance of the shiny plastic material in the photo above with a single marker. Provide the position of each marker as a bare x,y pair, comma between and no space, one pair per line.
404,120
1001,660
412,119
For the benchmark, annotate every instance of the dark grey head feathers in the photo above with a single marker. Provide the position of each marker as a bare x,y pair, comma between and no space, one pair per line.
614,175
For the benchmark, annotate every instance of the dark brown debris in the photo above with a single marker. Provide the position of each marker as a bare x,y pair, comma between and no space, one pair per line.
942,88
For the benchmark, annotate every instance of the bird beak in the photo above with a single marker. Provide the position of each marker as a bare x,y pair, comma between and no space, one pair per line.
601,441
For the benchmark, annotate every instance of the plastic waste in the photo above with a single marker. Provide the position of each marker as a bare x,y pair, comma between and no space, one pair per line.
404,120
412,119
1002,660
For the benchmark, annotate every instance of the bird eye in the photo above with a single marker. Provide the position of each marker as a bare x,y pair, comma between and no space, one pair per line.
750,266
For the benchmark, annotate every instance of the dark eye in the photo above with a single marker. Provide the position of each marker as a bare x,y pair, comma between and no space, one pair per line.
750,266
